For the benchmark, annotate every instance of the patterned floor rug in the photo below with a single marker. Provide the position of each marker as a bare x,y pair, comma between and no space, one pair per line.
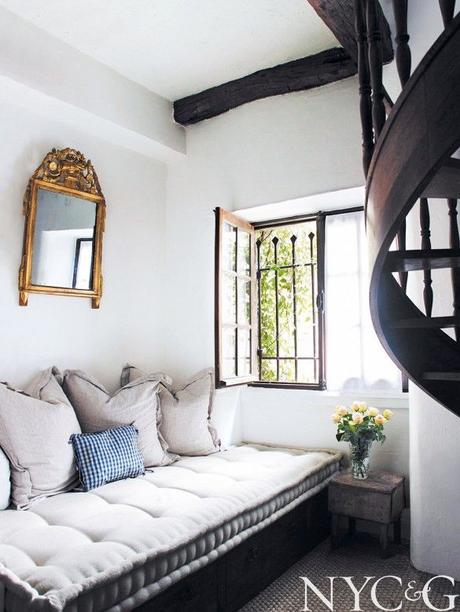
357,558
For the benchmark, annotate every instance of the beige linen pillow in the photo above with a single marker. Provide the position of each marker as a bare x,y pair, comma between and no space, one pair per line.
34,434
186,422
47,386
134,404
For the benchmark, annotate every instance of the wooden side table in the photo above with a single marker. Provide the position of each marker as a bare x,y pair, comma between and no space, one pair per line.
379,499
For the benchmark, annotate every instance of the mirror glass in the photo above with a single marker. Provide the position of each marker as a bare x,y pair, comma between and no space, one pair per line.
63,241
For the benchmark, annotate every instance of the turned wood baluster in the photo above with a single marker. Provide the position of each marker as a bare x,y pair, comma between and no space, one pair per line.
403,63
365,104
454,243
403,54
401,242
447,11
374,39
426,246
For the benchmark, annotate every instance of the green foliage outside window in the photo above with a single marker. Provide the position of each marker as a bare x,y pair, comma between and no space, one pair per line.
296,249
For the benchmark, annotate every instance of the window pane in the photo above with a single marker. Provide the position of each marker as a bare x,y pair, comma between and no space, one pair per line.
306,316
229,247
305,340
287,370
267,313
306,371
286,313
228,353
235,299
268,370
283,246
266,249
244,302
244,352
288,285
228,298
244,253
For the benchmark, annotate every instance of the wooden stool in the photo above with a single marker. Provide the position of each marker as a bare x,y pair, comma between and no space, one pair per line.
379,499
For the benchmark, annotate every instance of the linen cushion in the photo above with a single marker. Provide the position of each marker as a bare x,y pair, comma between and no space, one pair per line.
105,456
134,404
130,373
5,482
34,435
116,546
186,422
47,386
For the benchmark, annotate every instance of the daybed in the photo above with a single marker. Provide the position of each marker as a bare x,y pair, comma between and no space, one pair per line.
206,533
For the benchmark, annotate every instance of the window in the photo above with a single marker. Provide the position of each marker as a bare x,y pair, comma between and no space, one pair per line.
292,305
356,360
235,300
290,278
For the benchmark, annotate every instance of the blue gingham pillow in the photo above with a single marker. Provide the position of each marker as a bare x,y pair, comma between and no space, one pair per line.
106,456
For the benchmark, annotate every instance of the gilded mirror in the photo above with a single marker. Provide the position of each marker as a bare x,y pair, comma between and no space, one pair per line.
65,211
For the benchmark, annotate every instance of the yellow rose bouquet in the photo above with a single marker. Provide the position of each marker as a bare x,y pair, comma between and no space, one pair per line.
360,425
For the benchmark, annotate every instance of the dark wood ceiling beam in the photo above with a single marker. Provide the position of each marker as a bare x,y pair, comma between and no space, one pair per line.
298,75
338,15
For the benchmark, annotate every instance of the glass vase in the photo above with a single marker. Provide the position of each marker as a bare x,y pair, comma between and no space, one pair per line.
360,452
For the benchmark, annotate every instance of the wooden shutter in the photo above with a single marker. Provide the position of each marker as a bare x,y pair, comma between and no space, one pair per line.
235,301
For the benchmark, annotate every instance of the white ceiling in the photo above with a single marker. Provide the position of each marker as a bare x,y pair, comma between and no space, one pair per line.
179,47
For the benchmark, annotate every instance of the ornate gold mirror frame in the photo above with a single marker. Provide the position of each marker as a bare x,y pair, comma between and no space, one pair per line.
68,173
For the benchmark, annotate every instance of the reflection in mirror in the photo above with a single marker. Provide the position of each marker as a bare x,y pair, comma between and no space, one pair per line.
63,241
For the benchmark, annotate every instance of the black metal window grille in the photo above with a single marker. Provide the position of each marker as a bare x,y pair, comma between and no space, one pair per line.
290,292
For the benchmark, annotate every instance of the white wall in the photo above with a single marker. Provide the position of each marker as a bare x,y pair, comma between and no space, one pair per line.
435,493
66,331
302,419
268,151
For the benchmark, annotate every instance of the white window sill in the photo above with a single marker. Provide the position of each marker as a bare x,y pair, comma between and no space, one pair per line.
384,398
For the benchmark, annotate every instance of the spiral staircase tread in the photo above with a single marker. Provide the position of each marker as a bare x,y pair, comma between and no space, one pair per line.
444,376
426,322
419,259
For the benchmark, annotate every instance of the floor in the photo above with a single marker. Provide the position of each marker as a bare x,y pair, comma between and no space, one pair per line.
357,557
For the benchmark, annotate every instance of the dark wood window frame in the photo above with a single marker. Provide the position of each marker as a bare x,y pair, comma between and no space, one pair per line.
320,217
222,217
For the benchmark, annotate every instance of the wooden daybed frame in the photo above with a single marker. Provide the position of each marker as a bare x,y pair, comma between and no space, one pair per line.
226,584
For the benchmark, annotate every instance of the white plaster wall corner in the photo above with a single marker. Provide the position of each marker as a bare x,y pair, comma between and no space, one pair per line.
79,90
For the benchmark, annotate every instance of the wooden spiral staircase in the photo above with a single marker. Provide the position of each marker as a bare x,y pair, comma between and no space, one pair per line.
408,158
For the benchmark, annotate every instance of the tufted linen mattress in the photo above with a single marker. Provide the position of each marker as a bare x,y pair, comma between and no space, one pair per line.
119,545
